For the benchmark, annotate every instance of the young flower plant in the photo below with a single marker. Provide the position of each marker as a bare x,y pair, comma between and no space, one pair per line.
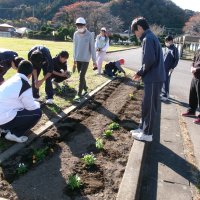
131,96
21,169
74,182
114,126
40,154
89,159
108,133
99,144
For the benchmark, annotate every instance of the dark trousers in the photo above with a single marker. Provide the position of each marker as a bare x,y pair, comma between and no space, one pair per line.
82,69
23,122
194,98
58,79
110,71
165,89
150,107
48,84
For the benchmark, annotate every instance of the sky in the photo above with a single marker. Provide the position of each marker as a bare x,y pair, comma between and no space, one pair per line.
188,4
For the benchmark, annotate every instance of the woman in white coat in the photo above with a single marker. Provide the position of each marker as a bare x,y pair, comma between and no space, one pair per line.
101,45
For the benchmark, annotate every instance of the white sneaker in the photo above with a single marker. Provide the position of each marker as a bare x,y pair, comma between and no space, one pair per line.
3,131
142,137
163,98
12,137
136,131
49,101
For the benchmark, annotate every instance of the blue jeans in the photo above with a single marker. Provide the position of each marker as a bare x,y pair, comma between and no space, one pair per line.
24,121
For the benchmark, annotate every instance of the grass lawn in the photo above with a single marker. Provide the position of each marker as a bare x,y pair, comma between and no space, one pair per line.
22,46
62,100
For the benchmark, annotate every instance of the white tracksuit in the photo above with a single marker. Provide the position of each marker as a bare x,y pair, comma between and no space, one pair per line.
101,43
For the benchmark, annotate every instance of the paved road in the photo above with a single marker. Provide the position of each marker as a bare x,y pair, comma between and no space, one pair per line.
179,92
181,78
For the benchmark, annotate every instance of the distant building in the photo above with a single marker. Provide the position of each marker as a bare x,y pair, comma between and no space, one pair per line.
7,30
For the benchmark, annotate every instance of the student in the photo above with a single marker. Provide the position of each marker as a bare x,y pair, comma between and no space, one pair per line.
171,59
101,45
60,72
41,59
84,49
152,72
8,59
194,97
19,111
113,67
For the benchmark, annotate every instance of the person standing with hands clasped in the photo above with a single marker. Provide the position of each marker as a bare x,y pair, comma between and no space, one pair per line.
101,45
84,49
171,59
152,73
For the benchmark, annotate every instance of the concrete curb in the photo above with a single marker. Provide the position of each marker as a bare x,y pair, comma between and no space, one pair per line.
16,147
131,181
121,50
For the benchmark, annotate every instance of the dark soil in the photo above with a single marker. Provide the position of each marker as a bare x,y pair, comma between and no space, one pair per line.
68,141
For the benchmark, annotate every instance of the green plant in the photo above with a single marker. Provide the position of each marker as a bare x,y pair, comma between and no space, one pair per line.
89,159
131,96
114,126
21,169
74,182
107,133
40,154
99,143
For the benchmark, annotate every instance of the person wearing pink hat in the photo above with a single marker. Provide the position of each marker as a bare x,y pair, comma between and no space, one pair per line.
101,45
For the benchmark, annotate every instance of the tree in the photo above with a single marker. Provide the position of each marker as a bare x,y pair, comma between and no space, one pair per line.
157,30
95,13
192,27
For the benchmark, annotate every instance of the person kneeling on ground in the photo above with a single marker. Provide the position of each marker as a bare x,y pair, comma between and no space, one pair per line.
8,59
19,111
112,68
60,72
194,97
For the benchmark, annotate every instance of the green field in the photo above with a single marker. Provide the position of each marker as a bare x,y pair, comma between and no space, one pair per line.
22,46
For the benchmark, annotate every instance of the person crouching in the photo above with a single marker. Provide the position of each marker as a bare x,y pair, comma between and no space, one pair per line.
19,111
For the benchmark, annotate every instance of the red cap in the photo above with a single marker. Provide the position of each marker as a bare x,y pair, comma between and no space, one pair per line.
121,61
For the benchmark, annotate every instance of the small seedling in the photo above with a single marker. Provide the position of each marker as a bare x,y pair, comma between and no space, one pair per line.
107,133
21,169
99,144
74,182
131,96
40,154
89,159
114,126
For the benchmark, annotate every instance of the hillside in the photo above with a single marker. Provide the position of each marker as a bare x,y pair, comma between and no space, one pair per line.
162,12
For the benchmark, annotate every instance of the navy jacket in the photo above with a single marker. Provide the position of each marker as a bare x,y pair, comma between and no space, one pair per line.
171,57
6,57
46,56
152,69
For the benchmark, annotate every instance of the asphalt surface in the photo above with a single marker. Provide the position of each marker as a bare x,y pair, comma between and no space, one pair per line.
168,175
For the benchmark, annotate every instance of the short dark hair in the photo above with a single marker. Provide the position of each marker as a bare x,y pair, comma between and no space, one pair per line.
141,21
64,54
36,57
168,38
25,67
17,60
